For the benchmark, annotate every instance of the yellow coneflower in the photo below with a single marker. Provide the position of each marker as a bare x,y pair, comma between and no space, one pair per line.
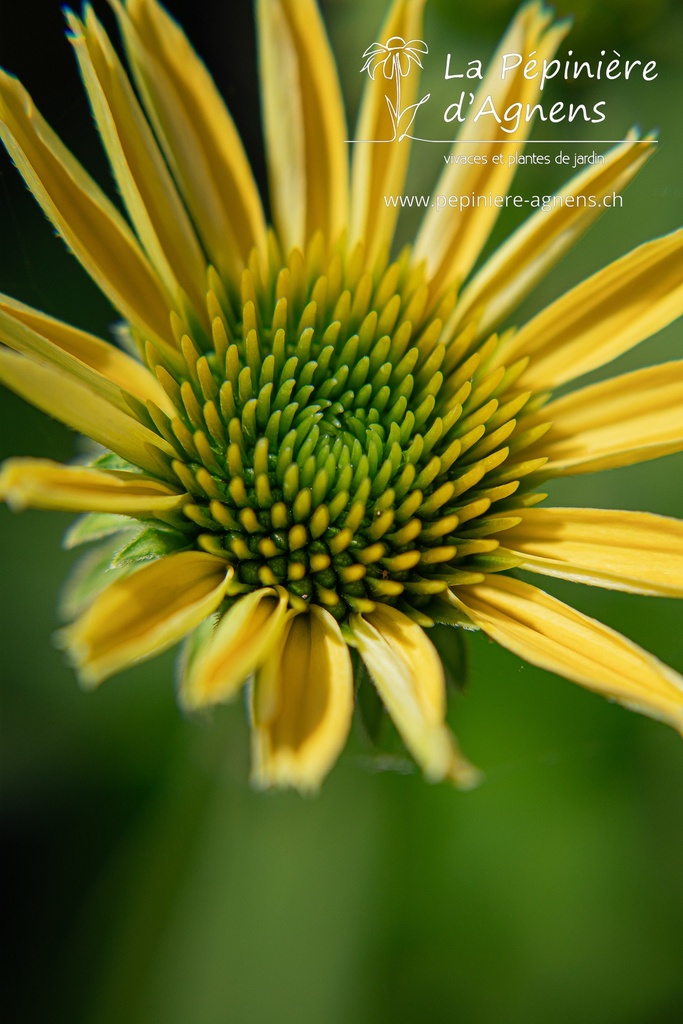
310,446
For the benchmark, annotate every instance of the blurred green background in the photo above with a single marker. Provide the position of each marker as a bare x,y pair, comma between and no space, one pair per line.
145,881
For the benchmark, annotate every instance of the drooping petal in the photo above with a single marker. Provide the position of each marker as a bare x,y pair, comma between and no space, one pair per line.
304,122
141,173
450,241
89,223
36,334
378,168
145,612
197,134
602,317
241,643
302,704
408,674
382,62
41,483
631,418
550,634
67,399
373,49
529,253
634,551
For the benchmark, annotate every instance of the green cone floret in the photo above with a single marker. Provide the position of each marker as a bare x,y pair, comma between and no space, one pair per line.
333,444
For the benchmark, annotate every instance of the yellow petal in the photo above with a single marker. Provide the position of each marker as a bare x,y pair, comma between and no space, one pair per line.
283,122
242,641
450,241
618,422
304,122
555,637
378,169
145,612
90,225
67,399
302,704
409,677
40,483
197,134
603,317
633,551
146,186
517,265
78,352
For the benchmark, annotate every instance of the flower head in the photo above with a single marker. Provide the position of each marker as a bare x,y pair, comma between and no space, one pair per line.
394,57
312,452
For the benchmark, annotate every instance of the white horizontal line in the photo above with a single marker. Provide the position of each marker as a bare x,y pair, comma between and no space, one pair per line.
516,142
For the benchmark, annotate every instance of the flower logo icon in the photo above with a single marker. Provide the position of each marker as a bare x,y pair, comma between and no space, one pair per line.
394,59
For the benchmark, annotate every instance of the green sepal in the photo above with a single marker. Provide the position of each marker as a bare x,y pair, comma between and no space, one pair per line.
151,543
192,646
89,577
109,460
452,647
96,526
447,614
369,707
